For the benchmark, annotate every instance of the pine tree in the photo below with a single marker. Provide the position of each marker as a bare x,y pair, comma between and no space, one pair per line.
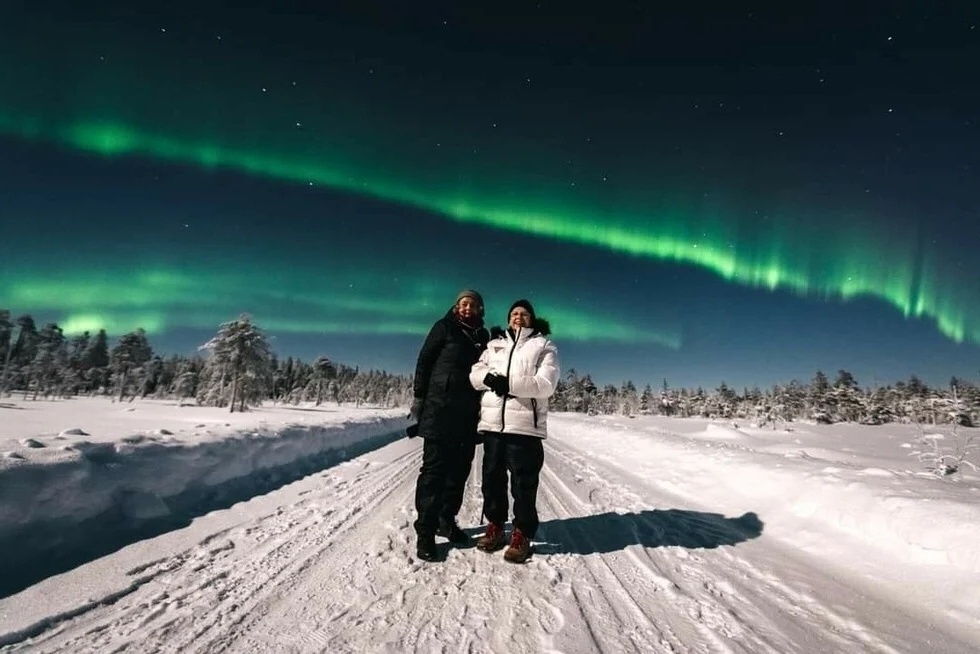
727,400
131,352
95,362
629,401
6,347
97,353
185,381
845,398
240,356
50,359
646,400
323,371
666,399
818,398
76,370
25,347
589,394
559,401
573,392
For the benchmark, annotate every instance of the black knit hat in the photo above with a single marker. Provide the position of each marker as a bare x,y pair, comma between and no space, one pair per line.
527,305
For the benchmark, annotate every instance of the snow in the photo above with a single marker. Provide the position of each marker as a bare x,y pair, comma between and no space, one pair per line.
289,529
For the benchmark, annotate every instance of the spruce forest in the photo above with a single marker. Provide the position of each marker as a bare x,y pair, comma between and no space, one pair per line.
237,369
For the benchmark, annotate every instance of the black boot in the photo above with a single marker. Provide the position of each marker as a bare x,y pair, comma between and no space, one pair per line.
452,531
425,549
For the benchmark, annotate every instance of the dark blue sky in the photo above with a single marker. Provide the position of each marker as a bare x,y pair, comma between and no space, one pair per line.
702,195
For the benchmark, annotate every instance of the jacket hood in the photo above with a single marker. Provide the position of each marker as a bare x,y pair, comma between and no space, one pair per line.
540,326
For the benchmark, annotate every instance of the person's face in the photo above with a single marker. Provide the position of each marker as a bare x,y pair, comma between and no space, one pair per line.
519,318
468,308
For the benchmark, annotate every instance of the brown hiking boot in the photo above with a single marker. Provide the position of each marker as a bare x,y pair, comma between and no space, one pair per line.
520,548
493,539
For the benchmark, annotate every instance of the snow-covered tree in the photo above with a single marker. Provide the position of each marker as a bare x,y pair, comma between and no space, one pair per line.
667,400
845,399
818,399
6,347
646,400
629,401
49,361
131,352
239,361
95,363
185,380
323,371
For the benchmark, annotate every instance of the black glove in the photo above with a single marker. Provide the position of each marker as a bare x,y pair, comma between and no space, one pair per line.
497,383
415,413
412,430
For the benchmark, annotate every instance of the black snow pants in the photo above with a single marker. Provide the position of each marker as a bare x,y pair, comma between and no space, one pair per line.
523,457
442,480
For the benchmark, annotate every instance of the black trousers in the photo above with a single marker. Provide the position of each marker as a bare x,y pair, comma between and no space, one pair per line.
442,481
523,458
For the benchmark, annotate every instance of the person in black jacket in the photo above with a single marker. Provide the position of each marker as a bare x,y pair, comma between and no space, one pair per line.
447,409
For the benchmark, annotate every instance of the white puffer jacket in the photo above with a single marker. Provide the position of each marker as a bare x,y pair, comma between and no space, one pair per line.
530,363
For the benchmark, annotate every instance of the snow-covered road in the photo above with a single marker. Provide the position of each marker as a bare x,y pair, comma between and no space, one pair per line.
327,564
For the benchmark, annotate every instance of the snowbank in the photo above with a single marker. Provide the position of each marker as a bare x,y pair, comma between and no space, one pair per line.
848,492
83,484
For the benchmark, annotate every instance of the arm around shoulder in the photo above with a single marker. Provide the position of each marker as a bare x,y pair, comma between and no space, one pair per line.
479,371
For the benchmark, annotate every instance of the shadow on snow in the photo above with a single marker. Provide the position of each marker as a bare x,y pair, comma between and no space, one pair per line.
611,532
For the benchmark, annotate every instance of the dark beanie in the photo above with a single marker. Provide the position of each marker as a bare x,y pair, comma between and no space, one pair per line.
469,292
527,305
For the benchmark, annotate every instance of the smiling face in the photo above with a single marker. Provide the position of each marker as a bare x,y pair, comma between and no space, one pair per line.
519,318
468,308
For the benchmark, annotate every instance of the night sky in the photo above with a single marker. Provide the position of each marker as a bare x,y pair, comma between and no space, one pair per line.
743,195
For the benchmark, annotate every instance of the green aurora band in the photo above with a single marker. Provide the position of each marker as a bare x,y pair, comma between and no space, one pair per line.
206,106
158,298
791,263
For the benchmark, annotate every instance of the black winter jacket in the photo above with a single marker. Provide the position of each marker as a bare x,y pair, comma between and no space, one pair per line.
451,406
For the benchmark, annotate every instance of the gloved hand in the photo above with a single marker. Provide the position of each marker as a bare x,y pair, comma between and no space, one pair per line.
497,383
415,413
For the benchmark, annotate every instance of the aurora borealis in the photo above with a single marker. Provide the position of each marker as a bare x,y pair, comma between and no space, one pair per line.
682,199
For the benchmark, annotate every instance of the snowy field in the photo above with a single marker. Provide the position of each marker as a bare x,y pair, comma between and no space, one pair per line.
289,530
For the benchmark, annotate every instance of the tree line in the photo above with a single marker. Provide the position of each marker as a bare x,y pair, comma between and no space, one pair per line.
237,368
820,400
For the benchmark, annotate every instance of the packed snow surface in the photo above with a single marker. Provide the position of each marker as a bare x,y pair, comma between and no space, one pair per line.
657,535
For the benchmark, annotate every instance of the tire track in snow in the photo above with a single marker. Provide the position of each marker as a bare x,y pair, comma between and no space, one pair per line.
750,598
473,602
333,569
202,599
631,609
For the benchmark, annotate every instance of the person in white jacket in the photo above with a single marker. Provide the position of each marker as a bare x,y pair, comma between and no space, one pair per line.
518,372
